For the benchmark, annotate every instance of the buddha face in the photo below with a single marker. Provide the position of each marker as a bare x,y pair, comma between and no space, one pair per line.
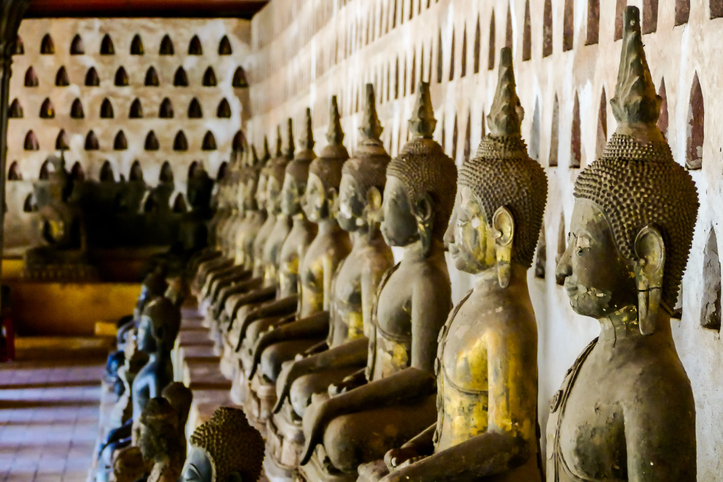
148,442
198,467
145,339
468,236
399,227
249,193
291,195
598,279
351,205
273,196
316,204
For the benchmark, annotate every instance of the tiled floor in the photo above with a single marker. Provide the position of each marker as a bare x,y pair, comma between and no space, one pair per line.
48,420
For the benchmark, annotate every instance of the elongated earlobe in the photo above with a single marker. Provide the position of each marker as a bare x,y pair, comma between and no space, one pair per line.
503,226
332,199
425,222
649,270
373,210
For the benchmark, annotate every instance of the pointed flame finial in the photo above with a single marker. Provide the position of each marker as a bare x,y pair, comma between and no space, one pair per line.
422,122
635,106
335,135
307,136
506,112
279,142
290,147
371,129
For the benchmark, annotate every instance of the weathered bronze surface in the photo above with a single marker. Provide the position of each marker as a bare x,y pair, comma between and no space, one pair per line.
362,422
625,410
161,441
353,289
487,358
225,449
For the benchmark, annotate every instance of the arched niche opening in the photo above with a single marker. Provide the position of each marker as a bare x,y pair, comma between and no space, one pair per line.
14,172
121,78
152,143
136,110
477,45
194,109
547,29
561,247
179,204
150,205
695,128
167,46
440,58
77,173
106,109
527,34
491,52
19,46
76,46
619,9
120,143
541,255
710,316
193,168
535,131
209,78
180,143
224,46
47,46
663,118
463,70
467,149
45,169
166,110
682,11
106,172
650,16
166,175
152,79
554,137
575,141
602,125
455,138
593,22
61,78
106,46
30,205
91,78
239,78
180,79
62,142
136,172
508,29
209,142
224,110
194,47
16,110
47,110
451,58
239,141
31,78
222,171
568,26
137,46
91,142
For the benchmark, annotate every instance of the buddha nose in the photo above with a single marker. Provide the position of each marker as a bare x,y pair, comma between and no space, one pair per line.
564,267
449,234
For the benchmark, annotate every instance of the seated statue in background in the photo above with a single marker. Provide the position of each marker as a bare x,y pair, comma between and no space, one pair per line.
364,420
224,449
317,267
626,410
353,289
63,256
180,397
487,357
162,443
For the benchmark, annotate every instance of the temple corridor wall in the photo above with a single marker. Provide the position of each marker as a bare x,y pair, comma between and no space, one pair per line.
566,60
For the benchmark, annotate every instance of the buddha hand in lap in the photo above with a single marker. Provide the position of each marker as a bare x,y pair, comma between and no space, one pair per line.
487,357
626,410
414,299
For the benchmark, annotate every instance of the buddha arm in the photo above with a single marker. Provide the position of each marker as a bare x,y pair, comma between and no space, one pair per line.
348,354
313,326
258,296
408,384
481,456
430,307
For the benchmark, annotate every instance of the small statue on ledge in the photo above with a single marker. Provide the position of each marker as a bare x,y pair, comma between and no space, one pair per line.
161,441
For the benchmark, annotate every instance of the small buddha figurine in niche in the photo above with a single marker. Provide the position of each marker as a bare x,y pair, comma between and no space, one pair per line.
161,442
354,287
414,299
626,410
318,266
224,449
487,356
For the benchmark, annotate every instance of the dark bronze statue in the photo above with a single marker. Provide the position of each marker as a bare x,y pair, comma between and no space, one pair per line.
487,358
625,410
162,448
225,449
353,289
368,416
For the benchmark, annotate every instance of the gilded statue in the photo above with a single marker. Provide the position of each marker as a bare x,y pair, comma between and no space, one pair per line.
626,410
224,449
353,289
367,416
487,355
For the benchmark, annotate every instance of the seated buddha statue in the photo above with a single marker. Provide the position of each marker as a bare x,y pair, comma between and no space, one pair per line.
317,268
161,441
63,254
353,290
364,420
626,410
224,449
487,355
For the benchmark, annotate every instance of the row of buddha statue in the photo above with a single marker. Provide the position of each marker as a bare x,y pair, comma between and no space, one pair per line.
354,368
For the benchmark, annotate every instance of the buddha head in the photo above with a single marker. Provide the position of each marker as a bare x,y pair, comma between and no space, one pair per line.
224,449
199,189
635,207
322,190
501,193
159,326
128,465
421,183
158,429
154,285
297,172
364,176
274,173
180,399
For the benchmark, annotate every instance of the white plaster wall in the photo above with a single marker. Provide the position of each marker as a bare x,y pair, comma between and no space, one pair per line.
296,63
